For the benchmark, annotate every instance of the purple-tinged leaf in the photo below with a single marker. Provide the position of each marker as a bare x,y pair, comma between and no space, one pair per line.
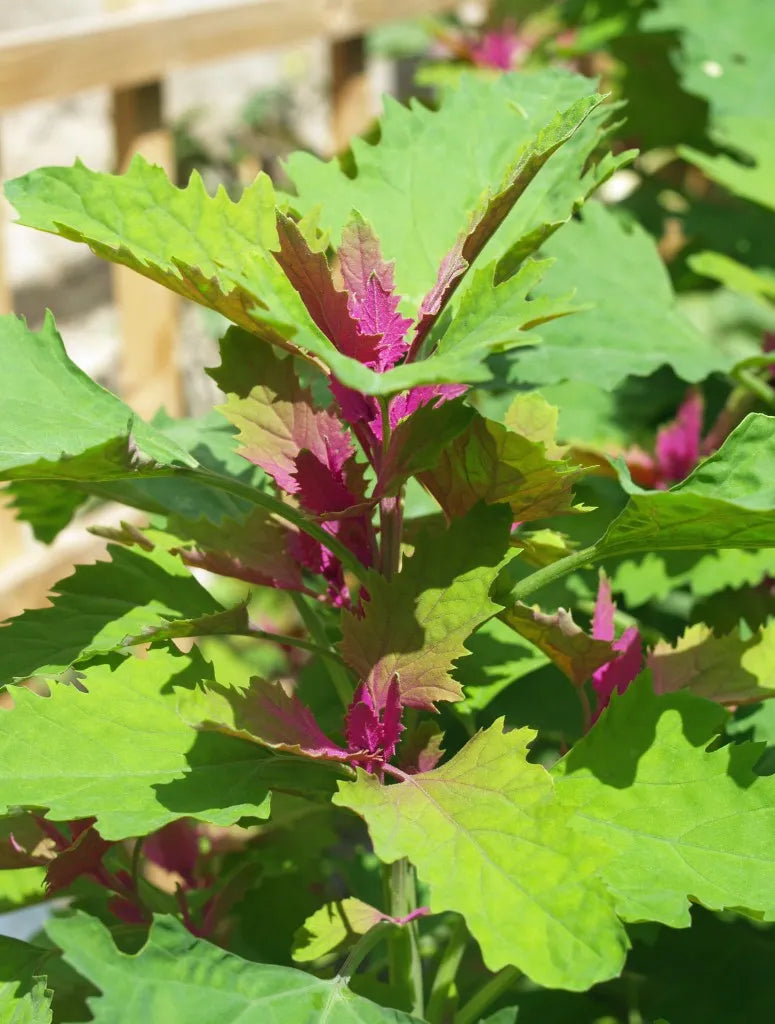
403,405
501,49
310,275
82,857
265,714
256,549
422,750
605,609
372,299
572,650
617,674
415,624
175,848
490,462
678,444
275,416
374,728
726,669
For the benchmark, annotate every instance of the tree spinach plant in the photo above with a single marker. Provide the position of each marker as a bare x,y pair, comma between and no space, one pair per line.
305,748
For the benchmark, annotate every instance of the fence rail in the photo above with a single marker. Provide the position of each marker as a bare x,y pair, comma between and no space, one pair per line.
130,51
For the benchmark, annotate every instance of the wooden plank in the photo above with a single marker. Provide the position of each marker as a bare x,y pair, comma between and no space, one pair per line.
149,375
140,45
351,100
5,290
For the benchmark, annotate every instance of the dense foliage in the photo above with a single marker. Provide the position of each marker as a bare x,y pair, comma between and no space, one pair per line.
428,677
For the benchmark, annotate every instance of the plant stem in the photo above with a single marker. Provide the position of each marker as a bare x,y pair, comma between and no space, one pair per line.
404,950
282,511
550,573
487,994
761,388
362,948
337,672
446,973
293,641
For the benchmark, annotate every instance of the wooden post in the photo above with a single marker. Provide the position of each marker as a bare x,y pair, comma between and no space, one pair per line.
5,291
150,374
351,107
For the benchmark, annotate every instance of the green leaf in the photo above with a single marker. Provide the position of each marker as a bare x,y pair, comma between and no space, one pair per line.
634,325
21,886
120,753
100,608
24,998
333,925
415,623
727,501
499,657
491,844
495,463
754,139
658,574
734,275
685,819
726,58
726,669
177,978
58,425
500,121
573,651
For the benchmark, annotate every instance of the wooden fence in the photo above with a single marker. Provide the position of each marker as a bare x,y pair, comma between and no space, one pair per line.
129,51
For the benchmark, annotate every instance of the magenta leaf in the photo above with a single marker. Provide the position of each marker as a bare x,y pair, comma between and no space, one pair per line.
373,728
265,713
500,49
276,416
82,857
310,275
175,848
372,299
678,444
617,674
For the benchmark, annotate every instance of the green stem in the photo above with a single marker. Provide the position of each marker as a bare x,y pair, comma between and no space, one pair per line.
446,973
281,510
550,573
292,641
404,950
362,948
487,994
355,958
337,672
761,388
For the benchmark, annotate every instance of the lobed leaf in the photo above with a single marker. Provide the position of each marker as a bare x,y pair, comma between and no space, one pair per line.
490,843
501,121
495,463
414,624
121,754
177,978
687,821
728,501
727,669
633,325
100,609
574,652
332,926
59,425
